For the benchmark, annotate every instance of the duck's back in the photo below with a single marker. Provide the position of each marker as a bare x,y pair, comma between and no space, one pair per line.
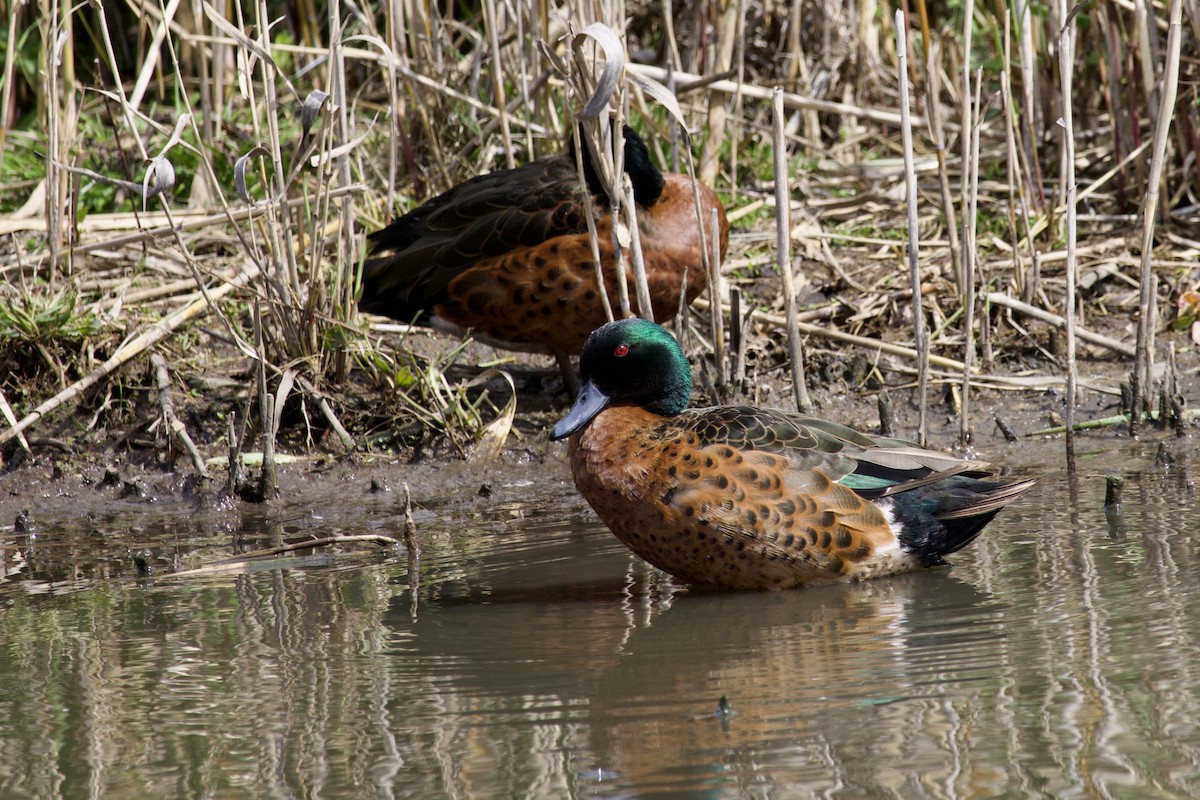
507,255
415,258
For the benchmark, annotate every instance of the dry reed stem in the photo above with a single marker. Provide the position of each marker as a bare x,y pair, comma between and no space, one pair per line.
713,263
790,99
491,25
1141,373
1012,165
726,39
739,67
970,221
6,409
6,77
964,116
1030,85
641,283
920,339
1001,299
181,223
933,108
593,238
1066,50
269,477
327,411
246,560
783,253
835,335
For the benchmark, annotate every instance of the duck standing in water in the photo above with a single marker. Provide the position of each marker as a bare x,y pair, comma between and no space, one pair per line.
738,497
507,254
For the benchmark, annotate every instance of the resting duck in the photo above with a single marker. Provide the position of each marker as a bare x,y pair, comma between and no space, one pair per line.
738,497
507,255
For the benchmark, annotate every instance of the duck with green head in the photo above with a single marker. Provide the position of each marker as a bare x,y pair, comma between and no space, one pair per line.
740,497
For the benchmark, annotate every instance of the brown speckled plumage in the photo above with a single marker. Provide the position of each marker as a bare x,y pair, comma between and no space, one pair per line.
712,513
742,497
507,254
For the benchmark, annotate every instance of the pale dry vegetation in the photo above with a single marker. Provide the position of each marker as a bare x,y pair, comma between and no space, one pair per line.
196,181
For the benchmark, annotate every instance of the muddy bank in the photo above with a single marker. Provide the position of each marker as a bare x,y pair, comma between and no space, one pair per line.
53,483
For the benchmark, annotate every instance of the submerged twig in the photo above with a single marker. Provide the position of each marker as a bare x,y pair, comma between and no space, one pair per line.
256,556
414,551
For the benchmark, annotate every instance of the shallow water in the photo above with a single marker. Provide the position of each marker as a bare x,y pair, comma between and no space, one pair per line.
1059,657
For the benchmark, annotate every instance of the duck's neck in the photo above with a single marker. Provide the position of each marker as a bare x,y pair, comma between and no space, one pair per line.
646,179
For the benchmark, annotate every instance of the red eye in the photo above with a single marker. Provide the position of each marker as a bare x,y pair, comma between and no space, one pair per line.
621,350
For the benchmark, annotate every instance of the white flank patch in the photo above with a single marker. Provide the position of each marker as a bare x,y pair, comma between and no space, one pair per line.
890,559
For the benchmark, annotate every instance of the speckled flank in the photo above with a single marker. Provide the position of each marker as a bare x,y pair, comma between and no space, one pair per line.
713,514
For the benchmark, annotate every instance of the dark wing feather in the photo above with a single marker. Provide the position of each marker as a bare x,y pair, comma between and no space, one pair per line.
418,255
873,466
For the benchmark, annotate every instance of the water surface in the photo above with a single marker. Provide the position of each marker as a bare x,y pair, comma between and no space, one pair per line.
537,658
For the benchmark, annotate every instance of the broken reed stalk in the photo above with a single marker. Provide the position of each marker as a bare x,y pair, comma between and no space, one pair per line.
737,338
413,545
783,252
269,477
914,267
1066,51
234,439
175,428
1146,297
1113,485
1091,337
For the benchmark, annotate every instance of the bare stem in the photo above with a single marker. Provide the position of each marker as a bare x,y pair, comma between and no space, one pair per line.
914,266
1066,49
1141,371
783,250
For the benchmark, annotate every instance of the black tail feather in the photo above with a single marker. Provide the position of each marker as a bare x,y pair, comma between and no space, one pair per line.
944,517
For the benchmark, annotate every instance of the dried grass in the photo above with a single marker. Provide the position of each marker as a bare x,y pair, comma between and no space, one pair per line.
287,138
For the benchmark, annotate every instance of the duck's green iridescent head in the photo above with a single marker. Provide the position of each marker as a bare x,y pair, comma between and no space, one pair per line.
633,361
